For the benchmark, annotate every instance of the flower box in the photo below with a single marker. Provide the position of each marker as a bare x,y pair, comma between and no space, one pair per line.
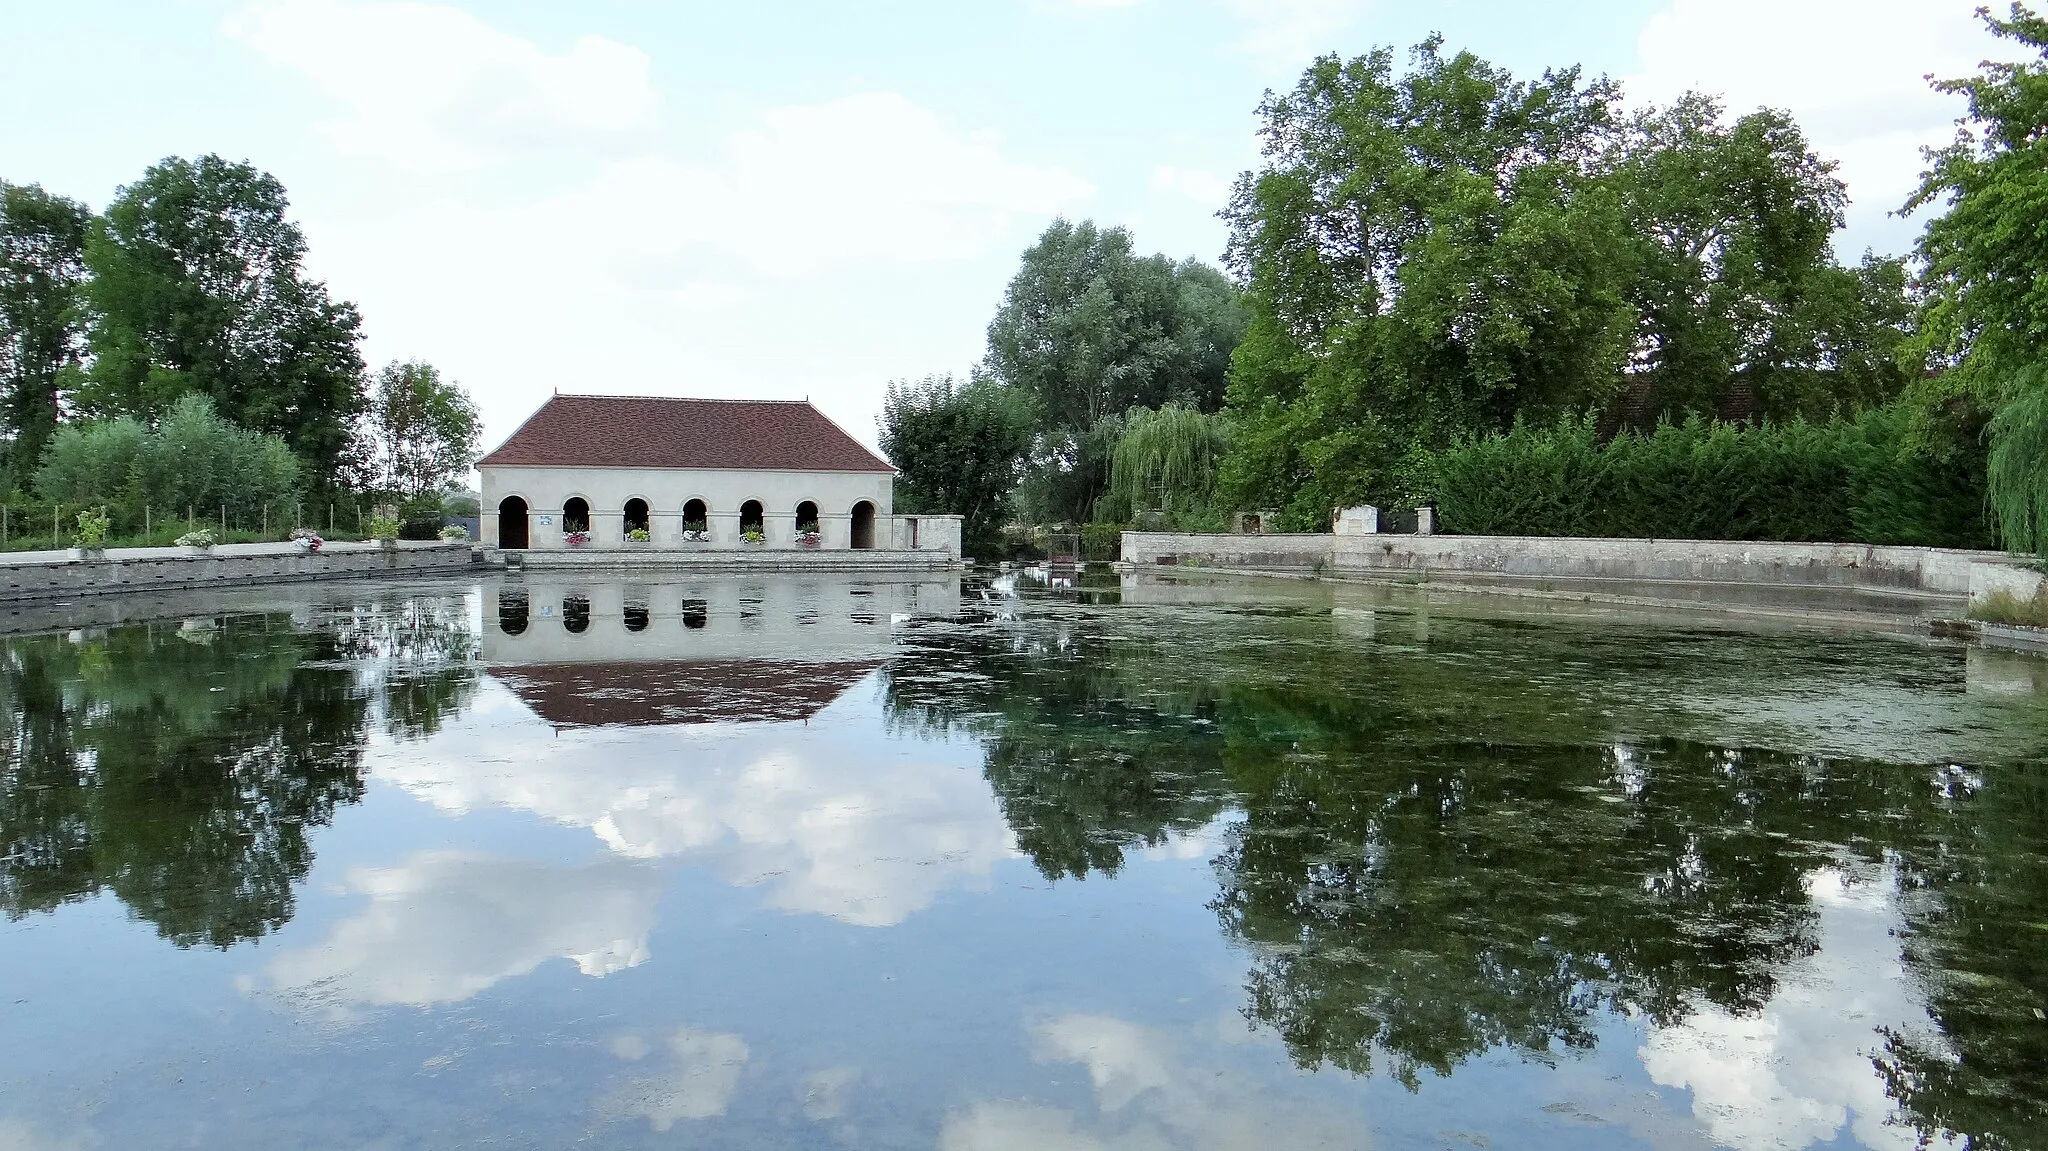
576,539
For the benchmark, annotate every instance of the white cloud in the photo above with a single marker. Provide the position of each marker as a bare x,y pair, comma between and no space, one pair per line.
1852,72
443,926
702,1075
435,88
796,810
1799,1072
1289,33
1202,187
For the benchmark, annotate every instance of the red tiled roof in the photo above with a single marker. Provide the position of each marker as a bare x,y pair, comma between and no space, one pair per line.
659,432
634,694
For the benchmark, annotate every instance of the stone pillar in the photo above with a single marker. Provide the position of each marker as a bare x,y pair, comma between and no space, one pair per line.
1425,521
1359,521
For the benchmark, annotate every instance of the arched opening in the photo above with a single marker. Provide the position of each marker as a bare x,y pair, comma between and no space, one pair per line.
807,516
864,525
636,515
752,519
512,522
636,615
575,514
696,522
576,613
512,612
696,613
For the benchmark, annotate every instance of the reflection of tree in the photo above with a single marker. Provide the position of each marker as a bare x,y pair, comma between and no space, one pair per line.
1447,849
1080,775
181,767
1978,937
418,652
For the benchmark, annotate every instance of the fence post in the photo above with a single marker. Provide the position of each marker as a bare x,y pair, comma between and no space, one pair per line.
266,522
145,524
55,542
223,523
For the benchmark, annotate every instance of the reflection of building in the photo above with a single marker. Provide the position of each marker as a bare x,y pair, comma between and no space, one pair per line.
639,471
611,652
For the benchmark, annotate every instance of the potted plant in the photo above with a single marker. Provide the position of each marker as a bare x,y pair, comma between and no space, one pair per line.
753,536
197,542
384,529
307,540
455,534
92,535
696,532
638,536
808,535
577,538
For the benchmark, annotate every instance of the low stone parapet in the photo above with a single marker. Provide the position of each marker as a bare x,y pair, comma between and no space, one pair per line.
55,575
727,559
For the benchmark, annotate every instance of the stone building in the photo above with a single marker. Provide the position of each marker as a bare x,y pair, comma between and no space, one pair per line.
693,474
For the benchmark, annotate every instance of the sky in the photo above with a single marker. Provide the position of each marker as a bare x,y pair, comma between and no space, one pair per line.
809,199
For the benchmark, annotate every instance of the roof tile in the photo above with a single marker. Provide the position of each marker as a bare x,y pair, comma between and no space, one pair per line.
662,432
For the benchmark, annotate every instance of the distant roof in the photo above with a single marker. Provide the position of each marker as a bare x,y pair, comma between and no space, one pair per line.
660,432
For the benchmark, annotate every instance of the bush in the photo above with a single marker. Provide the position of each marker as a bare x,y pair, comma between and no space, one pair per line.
455,533
92,528
1101,542
2007,608
384,527
191,459
1881,479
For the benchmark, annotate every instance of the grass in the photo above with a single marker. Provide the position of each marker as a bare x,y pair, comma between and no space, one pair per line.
2007,608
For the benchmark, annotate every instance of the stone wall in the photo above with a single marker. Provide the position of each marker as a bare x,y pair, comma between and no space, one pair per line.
1909,569
168,569
726,560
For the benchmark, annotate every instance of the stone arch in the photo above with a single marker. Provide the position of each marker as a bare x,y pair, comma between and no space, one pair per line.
635,516
696,514
576,614
807,516
575,515
512,523
864,524
753,517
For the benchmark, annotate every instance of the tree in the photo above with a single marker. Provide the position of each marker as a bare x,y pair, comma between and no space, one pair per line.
191,459
1088,329
1433,255
1165,461
197,287
419,435
1986,315
42,270
1424,255
958,447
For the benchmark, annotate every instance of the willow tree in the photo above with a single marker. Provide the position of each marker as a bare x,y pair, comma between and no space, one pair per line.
1987,310
1165,461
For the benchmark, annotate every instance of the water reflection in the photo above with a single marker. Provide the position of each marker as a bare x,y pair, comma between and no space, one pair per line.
182,765
1794,884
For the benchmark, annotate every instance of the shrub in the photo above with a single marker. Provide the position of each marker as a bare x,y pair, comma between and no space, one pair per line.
192,459
384,527
1879,479
455,533
2007,608
92,528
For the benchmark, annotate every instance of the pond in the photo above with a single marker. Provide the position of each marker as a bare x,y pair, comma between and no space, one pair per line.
953,864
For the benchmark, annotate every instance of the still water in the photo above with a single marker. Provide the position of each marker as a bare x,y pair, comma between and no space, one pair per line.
787,863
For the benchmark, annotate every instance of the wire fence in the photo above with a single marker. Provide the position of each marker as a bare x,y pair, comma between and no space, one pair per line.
35,526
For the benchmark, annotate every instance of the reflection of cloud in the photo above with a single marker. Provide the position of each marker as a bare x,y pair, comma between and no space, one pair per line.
16,1135
703,1072
796,809
826,1093
1148,1096
1799,1071
443,926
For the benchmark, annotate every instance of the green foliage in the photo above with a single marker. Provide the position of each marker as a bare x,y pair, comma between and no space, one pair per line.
637,535
1436,254
196,288
384,528
456,533
1876,479
2007,608
92,527
42,271
1102,542
1987,302
1165,460
2018,466
958,448
419,434
191,459
753,536
197,538
1088,329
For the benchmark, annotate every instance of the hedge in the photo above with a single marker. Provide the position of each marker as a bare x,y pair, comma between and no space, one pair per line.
1866,480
